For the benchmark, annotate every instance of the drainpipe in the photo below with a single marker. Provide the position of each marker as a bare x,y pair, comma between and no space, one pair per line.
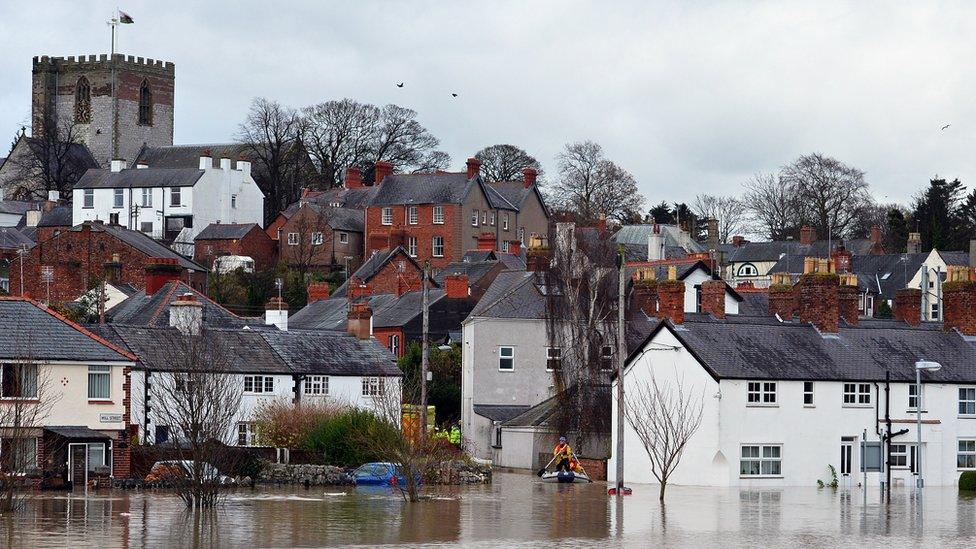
887,446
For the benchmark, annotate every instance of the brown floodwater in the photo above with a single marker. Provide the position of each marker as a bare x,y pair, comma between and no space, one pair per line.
514,511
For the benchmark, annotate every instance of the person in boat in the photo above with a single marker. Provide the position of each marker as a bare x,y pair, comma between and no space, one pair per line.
575,465
563,453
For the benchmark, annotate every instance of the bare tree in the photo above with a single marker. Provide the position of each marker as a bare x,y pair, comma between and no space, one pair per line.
729,211
591,185
199,398
339,134
832,192
772,202
402,141
272,135
664,417
308,238
52,160
506,162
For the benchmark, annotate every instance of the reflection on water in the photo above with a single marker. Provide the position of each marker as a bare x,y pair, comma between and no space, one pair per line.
516,510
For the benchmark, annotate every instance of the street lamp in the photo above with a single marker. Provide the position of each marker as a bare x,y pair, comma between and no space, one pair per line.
928,366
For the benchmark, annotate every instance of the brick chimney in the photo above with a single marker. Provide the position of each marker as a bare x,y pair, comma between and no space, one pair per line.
908,306
382,169
808,235
847,298
601,224
914,245
456,286
486,241
317,291
671,298
738,240
159,271
356,289
713,298
360,320
186,314
782,296
537,259
474,166
644,297
819,302
877,247
842,258
354,178
276,313
712,234
529,176
515,247
959,301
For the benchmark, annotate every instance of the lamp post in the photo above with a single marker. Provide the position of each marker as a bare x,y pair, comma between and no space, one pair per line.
928,366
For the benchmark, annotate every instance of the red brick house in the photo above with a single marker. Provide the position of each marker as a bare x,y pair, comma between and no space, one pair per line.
247,239
320,237
77,258
385,272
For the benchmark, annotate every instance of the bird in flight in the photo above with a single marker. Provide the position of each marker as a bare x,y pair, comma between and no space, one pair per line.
400,85
946,127
453,95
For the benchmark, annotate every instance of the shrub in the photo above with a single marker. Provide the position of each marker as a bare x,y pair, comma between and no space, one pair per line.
967,481
341,438
282,424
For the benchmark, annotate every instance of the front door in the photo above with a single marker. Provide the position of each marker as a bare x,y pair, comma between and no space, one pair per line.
78,465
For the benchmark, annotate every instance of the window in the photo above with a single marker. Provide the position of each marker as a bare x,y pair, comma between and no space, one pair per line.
233,201
554,358
506,358
146,227
176,196
82,101
387,216
967,401
474,218
96,455
492,219
89,198
373,386
505,246
246,434
437,246
761,460
903,456
606,358
293,239
505,222
19,454
99,382
147,198
316,239
412,246
966,458
162,434
113,218
412,215
935,311
761,393
484,217
498,435
117,198
521,234
145,105
748,269
808,393
258,384
438,216
317,385
395,344
18,381
343,238
912,397
857,394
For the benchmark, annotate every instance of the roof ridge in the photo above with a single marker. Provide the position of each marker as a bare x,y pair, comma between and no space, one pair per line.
72,324
507,292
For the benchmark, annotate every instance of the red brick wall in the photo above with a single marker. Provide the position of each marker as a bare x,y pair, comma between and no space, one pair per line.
389,280
272,229
255,244
383,336
424,231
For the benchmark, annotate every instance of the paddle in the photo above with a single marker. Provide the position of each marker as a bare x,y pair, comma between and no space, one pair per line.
543,470
588,479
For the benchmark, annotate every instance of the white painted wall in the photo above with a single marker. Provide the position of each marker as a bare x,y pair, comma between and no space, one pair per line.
696,278
810,436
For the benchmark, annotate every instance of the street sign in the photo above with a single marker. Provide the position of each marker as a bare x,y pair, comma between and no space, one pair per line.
110,418
871,457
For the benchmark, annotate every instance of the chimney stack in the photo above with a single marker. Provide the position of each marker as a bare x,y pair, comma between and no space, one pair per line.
382,170
914,243
186,314
908,306
601,224
515,247
959,300
360,320
356,289
474,166
782,296
842,258
529,176
645,292
847,299
159,271
206,160
456,286
276,313
486,241
671,298
713,298
354,178
819,299
738,240
117,165
225,164
877,248
317,291
655,244
243,164
537,259
808,235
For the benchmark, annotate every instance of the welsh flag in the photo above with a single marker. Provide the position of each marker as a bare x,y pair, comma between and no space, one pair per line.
125,18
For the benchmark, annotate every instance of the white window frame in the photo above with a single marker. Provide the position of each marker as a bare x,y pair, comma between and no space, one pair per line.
761,393
506,352
913,399
966,403
437,217
293,239
343,238
373,387
317,238
474,218
316,386
260,385
437,243
88,199
394,344
809,388
505,222
967,454
412,217
554,355
118,198
147,198
99,371
747,269
491,219
903,450
175,197
412,246
233,201
855,396
484,217
386,215
762,458
248,431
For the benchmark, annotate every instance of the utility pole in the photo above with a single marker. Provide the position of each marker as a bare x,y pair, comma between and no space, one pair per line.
101,302
621,356
424,352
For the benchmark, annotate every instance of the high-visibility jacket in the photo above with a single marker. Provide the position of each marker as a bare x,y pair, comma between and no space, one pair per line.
562,450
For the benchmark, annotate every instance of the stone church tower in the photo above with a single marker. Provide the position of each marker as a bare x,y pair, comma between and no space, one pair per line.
78,93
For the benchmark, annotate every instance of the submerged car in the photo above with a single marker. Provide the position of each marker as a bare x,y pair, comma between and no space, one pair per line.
380,474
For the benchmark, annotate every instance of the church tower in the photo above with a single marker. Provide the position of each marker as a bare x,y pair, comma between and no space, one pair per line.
112,105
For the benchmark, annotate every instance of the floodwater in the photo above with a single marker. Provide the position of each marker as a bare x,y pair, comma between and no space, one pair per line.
515,511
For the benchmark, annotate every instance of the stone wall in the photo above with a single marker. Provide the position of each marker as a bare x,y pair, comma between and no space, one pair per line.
458,472
311,475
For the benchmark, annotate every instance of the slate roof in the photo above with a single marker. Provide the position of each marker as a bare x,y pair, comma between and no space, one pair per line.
513,294
475,271
374,264
776,249
13,239
540,414
955,258
439,188
638,252
499,412
878,274
142,310
354,199
188,156
754,304
225,231
343,219
58,216
762,348
637,234
30,330
398,312
332,353
18,207
77,155
141,242
512,261
76,432
136,178
506,195
478,255
332,313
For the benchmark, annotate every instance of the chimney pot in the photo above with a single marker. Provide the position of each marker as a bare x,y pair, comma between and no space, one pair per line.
529,176
360,320
474,167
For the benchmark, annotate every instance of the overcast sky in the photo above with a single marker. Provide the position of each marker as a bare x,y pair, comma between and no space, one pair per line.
689,97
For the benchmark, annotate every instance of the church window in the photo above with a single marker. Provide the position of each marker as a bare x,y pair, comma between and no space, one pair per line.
145,105
82,101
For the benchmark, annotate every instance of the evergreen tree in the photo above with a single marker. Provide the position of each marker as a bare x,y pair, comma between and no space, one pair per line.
896,237
937,215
